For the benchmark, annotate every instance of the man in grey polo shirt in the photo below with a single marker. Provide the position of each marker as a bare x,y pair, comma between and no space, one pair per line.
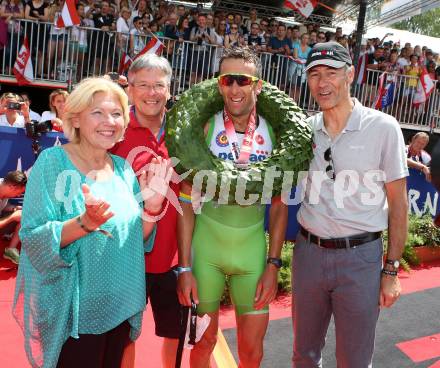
355,189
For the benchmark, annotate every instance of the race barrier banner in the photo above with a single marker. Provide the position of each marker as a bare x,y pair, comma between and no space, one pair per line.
16,148
17,154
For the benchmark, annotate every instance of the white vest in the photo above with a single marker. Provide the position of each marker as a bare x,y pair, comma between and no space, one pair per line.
217,139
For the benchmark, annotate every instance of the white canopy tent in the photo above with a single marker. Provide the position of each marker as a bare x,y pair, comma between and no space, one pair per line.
404,36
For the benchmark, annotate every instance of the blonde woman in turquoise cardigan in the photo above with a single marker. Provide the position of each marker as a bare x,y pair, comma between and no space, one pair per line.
86,224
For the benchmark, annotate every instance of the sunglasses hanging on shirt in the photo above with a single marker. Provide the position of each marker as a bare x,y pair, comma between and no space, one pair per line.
329,170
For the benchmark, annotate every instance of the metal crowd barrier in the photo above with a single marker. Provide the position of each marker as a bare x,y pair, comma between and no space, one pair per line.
69,55
290,77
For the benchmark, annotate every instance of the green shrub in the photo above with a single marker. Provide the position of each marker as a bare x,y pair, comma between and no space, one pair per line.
425,230
421,231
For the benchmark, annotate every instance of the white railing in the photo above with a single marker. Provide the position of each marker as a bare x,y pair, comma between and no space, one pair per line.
80,52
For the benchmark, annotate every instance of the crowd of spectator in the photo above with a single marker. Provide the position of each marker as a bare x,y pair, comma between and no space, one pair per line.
15,110
127,25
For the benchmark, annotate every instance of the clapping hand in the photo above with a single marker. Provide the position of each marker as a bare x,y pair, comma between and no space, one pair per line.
97,210
155,184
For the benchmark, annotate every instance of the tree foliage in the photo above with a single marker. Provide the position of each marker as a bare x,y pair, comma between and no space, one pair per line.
426,23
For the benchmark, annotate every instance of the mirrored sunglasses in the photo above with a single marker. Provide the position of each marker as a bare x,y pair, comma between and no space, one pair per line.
242,80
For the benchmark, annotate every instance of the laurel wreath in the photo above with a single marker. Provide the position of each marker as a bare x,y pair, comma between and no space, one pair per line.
185,140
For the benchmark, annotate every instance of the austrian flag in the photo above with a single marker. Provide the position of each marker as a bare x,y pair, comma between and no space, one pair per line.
153,46
304,7
23,70
424,88
124,63
69,16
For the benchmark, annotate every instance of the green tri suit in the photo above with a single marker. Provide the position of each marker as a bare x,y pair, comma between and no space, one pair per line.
230,239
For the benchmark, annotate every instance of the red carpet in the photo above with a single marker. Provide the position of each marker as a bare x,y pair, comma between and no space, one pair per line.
148,346
422,349
12,354
420,278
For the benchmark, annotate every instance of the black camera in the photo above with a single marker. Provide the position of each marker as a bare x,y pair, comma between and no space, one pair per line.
113,76
14,106
35,129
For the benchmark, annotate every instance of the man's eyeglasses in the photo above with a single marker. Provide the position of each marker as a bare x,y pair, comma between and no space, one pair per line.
329,170
242,80
158,87
234,27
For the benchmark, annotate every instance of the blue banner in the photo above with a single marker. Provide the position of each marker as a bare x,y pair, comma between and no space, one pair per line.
16,148
422,196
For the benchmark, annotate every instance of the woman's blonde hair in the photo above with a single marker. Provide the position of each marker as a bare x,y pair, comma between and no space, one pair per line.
82,97
11,96
55,93
420,135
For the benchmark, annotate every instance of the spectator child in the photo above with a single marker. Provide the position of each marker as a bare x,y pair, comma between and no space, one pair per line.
137,37
412,71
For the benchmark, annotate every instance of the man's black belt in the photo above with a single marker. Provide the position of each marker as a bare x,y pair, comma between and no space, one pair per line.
341,243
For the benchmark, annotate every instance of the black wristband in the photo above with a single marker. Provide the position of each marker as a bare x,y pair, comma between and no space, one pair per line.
277,262
84,227
389,273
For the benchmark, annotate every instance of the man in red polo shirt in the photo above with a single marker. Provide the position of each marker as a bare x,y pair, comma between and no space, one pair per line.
149,80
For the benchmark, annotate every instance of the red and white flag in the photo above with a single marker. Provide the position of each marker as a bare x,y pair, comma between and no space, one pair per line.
424,88
362,69
304,7
153,46
23,70
69,16
125,63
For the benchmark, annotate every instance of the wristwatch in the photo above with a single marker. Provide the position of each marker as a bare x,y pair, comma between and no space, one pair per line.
277,262
394,263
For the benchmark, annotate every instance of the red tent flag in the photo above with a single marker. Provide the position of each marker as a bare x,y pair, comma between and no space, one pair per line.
69,16
23,70
304,7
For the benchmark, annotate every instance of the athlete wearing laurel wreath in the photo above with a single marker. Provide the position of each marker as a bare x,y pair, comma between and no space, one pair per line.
230,239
